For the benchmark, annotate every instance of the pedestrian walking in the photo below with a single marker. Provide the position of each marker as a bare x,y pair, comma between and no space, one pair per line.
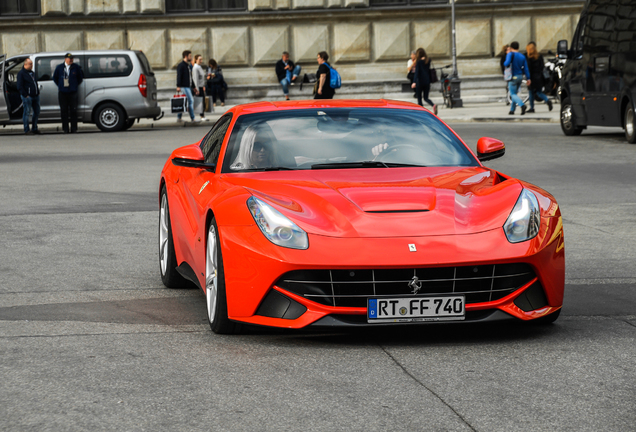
184,82
68,76
519,65
410,70
30,94
198,77
536,66
422,78
323,78
216,82
286,72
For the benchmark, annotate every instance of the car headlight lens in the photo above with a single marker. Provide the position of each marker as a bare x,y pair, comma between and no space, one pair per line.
524,220
276,227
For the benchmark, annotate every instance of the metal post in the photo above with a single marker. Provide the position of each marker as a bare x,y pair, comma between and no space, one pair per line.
455,81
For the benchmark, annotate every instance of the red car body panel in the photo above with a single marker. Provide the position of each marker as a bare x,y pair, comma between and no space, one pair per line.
454,216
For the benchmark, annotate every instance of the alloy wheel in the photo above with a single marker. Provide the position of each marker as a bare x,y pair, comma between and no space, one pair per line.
211,290
566,117
163,234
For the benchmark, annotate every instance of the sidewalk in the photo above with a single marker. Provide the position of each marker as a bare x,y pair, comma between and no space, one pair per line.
483,112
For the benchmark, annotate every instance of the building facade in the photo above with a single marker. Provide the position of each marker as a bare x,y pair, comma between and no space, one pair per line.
368,40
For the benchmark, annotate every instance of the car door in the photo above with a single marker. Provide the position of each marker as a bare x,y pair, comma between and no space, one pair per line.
4,111
200,190
44,68
576,75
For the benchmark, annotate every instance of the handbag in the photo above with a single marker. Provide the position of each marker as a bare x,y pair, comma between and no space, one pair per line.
178,103
433,76
508,73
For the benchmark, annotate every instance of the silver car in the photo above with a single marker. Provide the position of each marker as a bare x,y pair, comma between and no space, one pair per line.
119,86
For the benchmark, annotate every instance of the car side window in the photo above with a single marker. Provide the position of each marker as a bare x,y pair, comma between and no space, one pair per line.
45,66
211,146
107,66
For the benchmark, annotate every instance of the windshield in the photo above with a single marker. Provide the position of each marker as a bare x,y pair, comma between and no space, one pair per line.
332,138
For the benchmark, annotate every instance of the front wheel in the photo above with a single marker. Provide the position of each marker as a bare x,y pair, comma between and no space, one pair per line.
630,125
215,295
110,118
568,120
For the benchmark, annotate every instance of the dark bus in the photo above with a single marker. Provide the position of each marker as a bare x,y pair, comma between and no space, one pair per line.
599,78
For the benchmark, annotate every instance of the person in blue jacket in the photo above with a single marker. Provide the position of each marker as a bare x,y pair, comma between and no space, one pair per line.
519,68
30,94
68,76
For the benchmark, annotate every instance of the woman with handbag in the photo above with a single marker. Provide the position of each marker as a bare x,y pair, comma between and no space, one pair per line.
537,68
422,78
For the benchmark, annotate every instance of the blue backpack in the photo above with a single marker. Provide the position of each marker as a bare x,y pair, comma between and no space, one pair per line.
334,80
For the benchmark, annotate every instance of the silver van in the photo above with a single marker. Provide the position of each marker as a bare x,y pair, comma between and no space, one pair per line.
119,86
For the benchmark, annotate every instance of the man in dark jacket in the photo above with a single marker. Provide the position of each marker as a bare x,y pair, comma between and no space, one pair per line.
30,94
68,76
286,73
184,82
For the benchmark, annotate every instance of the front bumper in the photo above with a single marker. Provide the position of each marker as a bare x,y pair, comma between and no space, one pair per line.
253,265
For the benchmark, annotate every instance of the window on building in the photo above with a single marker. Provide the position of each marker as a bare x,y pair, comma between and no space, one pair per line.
19,7
204,5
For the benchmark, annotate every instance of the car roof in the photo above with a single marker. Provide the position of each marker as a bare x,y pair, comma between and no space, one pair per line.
258,107
74,52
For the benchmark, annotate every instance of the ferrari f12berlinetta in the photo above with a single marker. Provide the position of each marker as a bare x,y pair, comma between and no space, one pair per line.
352,213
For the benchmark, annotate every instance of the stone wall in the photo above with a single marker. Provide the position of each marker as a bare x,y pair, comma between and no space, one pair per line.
364,44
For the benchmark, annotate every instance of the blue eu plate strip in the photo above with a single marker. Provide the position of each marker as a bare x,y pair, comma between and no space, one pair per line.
372,311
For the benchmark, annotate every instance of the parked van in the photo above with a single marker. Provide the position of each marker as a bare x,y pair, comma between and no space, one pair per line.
599,76
119,87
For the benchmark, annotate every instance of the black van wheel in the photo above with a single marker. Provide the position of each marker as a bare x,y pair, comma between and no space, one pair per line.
630,125
568,121
110,118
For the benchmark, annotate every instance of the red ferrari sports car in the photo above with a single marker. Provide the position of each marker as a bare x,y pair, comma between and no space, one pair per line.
348,213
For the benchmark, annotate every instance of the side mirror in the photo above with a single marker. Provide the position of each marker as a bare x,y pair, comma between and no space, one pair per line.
490,148
190,157
562,49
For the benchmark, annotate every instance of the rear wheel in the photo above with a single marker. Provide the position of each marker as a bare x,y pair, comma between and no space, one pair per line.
630,125
129,123
568,121
110,118
215,285
167,258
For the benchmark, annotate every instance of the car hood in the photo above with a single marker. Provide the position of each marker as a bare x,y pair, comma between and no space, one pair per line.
387,202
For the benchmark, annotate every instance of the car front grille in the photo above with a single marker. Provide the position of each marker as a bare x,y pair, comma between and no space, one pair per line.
352,288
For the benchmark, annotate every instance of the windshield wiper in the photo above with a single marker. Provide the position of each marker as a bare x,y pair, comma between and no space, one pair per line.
278,168
363,164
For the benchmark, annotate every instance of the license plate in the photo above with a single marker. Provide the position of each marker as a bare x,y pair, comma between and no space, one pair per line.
396,310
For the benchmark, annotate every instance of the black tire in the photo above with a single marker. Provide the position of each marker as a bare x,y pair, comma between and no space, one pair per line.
169,275
630,124
128,124
568,120
217,313
110,118
546,320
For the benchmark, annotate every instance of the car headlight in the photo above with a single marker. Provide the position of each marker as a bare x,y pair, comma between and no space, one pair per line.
524,220
276,227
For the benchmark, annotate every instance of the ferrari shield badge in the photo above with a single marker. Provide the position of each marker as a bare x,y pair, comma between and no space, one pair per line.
203,187
412,247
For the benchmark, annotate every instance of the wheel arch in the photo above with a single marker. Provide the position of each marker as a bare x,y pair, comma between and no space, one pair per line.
625,102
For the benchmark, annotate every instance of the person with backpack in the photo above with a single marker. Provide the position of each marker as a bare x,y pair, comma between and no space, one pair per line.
536,67
516,66
422,78
324,89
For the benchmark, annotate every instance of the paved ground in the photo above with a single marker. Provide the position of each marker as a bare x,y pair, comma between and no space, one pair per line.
91,340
